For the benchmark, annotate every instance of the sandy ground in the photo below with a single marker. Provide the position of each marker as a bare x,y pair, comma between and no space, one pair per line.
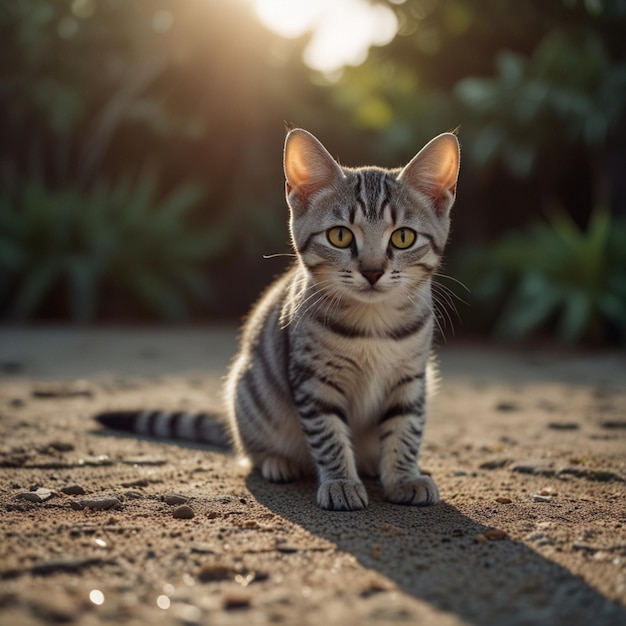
528,450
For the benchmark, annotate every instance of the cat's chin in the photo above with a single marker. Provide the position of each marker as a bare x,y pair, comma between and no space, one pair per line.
371,295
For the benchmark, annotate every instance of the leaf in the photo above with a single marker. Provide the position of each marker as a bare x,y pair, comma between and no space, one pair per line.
529,307
171,210
575,317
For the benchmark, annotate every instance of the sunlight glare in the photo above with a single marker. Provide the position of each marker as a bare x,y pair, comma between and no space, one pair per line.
342,31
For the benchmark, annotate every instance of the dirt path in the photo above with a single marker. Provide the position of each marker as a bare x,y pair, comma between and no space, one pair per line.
529,452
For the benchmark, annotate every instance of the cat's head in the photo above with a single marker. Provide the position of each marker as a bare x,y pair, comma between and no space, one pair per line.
367,233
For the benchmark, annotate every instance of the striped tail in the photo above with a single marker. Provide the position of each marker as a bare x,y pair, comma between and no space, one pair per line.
204,428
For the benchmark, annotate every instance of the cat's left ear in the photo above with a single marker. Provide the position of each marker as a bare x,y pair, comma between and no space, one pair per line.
434,171
309,168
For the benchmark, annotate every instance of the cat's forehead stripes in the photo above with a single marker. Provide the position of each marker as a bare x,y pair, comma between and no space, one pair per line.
372,193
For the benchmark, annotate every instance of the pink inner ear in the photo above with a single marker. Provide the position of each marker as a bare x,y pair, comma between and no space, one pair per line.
308,166
435,168
296,168
448,172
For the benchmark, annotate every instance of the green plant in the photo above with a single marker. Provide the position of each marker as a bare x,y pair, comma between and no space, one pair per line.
567,92
112,239
554,272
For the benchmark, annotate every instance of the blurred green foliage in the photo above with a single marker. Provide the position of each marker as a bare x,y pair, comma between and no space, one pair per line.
553,275
568,91
93,90
114,239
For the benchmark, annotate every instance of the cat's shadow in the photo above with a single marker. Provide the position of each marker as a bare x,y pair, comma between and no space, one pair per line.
432,554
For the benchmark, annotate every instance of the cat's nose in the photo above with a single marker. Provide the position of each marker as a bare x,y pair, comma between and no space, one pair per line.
372,275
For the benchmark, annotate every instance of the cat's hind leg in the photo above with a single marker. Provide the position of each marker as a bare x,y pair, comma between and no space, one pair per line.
278,469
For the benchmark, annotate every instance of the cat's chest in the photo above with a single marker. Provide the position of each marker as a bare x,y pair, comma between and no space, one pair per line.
374,368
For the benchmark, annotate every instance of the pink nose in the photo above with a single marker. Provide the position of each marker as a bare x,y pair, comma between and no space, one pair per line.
372,275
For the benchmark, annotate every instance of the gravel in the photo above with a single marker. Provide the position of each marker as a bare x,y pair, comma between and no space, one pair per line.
107,544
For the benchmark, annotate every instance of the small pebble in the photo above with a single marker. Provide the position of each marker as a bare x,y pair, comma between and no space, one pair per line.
144,460
537,497
533,466
61,446
139,482
73,490
236,601
174,498
495,534
563,426
99,460
540,539
481,539
201,547
494,464
506,407
98,504
39,495
183,512
250,524
214,572
591,474
287,548
70,564
613,424
376,551
79,388
502,500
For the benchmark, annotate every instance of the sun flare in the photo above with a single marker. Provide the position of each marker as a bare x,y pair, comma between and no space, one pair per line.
342,31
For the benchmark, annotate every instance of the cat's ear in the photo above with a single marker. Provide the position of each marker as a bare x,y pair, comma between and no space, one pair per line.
434,171
308,166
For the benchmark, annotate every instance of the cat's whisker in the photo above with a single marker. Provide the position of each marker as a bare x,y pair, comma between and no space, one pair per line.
279,254
454,280
333,305
441,311
446,296
321,292
432,310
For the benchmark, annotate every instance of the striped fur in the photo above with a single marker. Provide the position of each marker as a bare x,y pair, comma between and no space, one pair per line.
332,372
198,427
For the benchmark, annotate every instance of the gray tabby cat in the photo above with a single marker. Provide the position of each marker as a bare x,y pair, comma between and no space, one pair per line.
331,375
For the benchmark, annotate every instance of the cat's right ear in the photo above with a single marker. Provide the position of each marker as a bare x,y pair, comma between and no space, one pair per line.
309,168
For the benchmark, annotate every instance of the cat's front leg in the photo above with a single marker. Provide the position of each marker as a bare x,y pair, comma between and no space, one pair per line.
401,428
328,437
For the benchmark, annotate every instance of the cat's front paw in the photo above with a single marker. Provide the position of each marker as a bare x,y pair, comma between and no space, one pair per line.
342,495
419,491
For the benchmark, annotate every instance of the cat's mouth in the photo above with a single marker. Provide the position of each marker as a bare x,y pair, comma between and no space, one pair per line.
371,293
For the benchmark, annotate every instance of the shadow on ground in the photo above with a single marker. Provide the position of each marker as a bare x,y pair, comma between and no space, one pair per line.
431,553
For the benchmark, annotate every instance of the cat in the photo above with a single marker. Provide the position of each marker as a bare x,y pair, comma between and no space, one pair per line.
331,375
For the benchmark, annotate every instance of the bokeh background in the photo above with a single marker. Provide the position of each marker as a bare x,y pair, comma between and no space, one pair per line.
141,144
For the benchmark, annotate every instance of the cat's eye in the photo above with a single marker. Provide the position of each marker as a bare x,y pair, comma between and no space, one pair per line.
403,238
340,236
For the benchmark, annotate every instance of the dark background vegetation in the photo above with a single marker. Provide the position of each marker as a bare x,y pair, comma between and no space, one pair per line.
140,155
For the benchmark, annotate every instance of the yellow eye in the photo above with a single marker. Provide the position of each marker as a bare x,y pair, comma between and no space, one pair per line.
340,236
403,238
